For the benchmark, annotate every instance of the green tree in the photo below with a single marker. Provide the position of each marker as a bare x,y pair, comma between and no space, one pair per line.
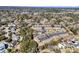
2,37
27,32
54,42
22,16
10,38
74,30
28,45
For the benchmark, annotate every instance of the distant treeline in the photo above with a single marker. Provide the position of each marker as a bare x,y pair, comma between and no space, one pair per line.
39,9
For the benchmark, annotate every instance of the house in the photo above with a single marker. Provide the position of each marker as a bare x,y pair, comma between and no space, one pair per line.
15,39
11,24
6,30
3,20
61,45
3,47
46,38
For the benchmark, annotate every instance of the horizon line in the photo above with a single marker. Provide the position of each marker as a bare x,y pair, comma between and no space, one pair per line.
44,6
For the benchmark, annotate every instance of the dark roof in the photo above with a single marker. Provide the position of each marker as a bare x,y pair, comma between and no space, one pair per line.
47,36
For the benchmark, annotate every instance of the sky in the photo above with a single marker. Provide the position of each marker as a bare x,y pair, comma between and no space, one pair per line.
39,3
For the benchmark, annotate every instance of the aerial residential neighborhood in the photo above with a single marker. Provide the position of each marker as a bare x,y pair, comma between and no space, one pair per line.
39,30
